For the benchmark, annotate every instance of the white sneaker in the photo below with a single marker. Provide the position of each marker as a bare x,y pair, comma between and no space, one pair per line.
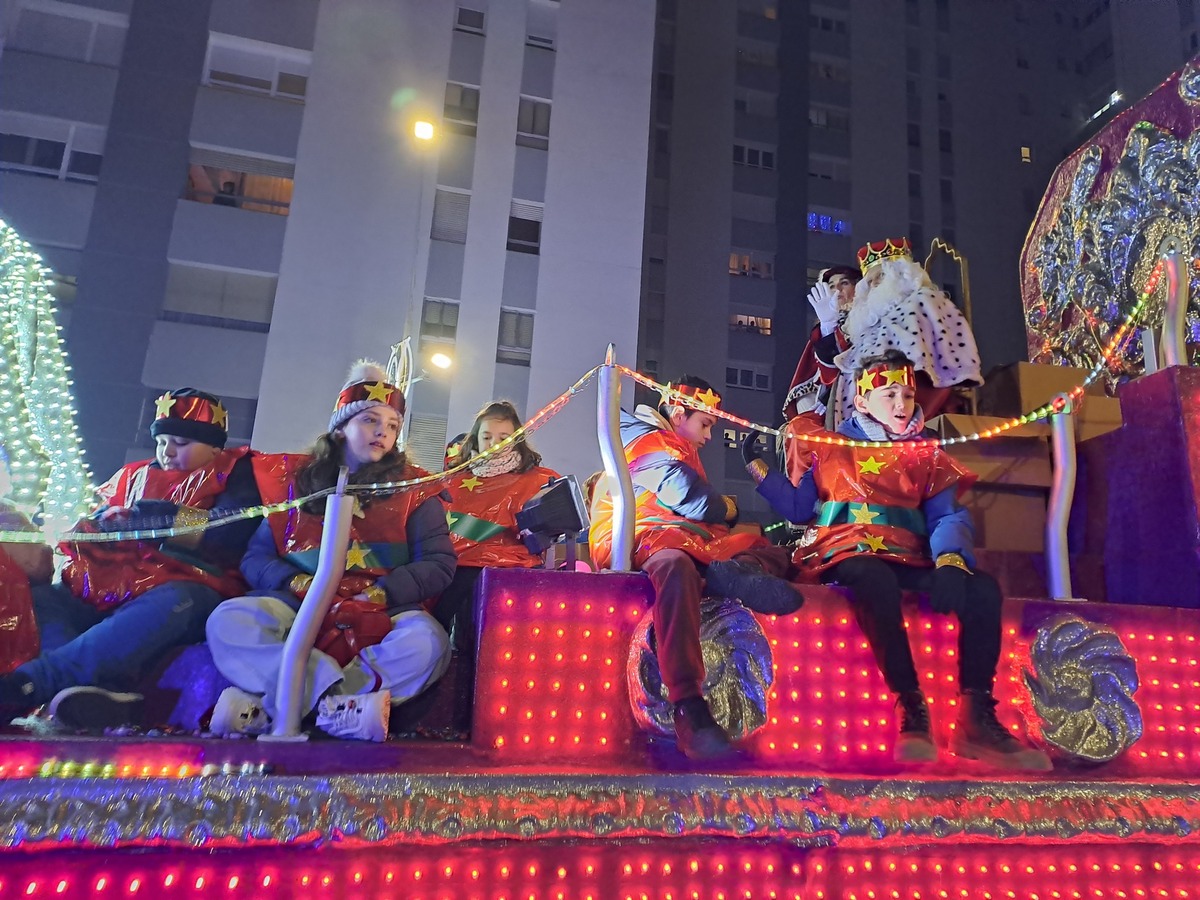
239,712
360,717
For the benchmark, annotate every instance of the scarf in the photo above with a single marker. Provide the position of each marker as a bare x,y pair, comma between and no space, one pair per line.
500,464
877,431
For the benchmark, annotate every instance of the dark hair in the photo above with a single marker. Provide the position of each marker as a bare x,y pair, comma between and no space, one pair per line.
891,357
501,409
851,272
328,456
686,381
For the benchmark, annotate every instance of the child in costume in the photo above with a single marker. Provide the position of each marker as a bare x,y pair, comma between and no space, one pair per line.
484,502
400,557
20,565
122,605
683,541
887,519
816,372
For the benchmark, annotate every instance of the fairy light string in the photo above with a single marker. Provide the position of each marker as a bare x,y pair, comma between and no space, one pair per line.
547,412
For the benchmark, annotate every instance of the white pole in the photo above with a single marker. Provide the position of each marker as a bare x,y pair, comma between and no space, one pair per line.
1174,317
1062,493
608,431
331,566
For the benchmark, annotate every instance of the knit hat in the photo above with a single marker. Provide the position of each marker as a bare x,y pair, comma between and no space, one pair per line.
366,387
192,414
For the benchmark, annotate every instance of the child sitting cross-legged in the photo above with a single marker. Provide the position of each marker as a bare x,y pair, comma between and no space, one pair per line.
886,519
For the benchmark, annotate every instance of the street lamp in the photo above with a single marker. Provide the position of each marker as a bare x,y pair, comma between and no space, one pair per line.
441,360
423,131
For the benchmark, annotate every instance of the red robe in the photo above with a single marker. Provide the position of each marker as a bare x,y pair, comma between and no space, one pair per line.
18,630
378,538
483,510
109,574
656,526
871,497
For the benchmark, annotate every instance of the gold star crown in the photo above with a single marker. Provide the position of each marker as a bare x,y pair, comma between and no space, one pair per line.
705,397
878,251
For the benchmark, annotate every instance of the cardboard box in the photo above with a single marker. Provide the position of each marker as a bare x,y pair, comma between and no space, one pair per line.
1022,387
1097,416
1008,519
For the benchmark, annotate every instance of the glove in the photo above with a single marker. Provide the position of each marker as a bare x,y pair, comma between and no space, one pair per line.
948,592
731,509
755,461
824,303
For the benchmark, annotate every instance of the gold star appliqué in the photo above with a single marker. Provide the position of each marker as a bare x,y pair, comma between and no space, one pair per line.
863,515
379,391
471,483
870,464
356,556
709,398
865,382
162,406
895,376
220,416
875,542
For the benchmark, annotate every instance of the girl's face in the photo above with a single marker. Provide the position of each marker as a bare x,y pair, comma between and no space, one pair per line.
492,431
370,436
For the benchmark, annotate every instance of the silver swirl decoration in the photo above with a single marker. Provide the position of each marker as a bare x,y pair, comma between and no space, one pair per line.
1082,680
1098,254
738,670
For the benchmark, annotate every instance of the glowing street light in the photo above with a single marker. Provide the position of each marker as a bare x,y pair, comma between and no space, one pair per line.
441,360
423,130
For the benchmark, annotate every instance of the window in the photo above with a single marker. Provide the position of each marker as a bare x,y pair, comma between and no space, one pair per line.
754,264
754,103
914,184
826,117
754,377
545,42
828,223
650,368
1026,154
439,320
947,190
245,65
469,20
754,157
828,23
533,123
826,70
451,209
245,182
461,109
69,32
515,341
50,147
828,169
525,227
943,65
752,324
945,141
914,134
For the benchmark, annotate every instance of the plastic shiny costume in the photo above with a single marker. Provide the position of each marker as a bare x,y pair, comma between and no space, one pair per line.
18,630
482,517
378,539
898,480
111,573
656,526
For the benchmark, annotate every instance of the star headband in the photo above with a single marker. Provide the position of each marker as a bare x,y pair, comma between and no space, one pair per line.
883,375
374,392
191,409
705,397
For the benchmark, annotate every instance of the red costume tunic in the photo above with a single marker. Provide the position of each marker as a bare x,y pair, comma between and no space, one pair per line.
18,630
656,526
378,538
871,497
111,573
482,517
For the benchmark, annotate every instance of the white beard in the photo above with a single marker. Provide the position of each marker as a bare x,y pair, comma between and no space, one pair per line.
901,280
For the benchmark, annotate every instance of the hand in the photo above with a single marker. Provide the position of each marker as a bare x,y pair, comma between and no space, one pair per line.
948,591
750,450
731,509
825,304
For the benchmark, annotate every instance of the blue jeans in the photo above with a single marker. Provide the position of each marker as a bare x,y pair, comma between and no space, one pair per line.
83,646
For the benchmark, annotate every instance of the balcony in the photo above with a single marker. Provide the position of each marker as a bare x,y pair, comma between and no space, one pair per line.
241,122
47,210
210,234
59,88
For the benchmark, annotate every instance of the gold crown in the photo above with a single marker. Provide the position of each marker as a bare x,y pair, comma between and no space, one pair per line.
878,251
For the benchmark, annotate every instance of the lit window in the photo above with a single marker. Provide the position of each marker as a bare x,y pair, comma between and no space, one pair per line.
827,223
752,264
751,324
245,182
1026,155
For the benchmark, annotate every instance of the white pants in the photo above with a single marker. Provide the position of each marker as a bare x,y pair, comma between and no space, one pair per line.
246,635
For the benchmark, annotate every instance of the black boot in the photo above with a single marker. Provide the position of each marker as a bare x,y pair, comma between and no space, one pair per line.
756,589
699,735
980,736
914,743
16,696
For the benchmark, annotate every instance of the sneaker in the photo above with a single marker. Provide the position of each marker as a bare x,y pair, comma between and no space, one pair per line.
16,696
359,717
980,736
756,589
699,736
88,708
914,743
239,712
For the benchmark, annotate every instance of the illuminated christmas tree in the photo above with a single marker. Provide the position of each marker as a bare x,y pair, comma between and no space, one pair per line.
37,416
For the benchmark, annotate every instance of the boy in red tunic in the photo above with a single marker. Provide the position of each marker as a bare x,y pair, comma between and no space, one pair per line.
886,519
684,542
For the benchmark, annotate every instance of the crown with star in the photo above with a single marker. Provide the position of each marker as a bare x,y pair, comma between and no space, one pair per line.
703,397
192,414
878,251
366,386
884,374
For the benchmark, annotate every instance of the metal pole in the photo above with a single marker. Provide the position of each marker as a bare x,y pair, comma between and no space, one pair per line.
1062,493
1174,346
612,451
331,566
1149,351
